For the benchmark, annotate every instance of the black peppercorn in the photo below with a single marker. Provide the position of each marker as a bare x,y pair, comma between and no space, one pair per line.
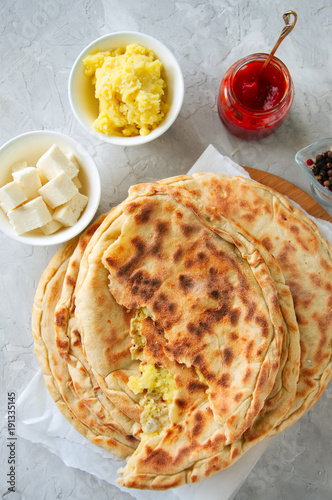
321,168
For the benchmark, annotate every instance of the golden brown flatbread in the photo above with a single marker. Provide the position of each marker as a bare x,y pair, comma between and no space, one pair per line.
210,293
186,325
304,256
103,326
178,450
75,405
191,390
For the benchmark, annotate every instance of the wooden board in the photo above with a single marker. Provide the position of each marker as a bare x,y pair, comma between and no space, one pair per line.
293,192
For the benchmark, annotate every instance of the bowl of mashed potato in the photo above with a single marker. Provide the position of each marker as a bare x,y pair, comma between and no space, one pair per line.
126,88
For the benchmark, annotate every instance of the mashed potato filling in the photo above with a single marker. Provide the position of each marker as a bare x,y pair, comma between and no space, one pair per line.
160,388
154,380
131,89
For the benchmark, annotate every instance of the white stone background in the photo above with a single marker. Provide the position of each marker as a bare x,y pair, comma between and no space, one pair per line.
39,42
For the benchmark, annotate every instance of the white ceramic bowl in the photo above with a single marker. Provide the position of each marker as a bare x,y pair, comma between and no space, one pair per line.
30,147
81,91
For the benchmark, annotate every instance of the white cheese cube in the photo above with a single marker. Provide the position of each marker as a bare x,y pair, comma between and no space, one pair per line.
69,213
58,191
77,182
19,165
11,196
51,227
54,162
72,158
29,216
28,179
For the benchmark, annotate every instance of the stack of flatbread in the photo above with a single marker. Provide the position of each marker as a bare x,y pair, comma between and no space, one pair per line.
186,325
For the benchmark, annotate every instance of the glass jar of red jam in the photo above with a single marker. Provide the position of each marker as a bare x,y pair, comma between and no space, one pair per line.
253,110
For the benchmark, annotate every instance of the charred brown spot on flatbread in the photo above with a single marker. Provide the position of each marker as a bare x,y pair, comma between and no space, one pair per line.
238,396
225,380
267,242
227,355
77,342
195,385
247,376
249,349
162,227
234,316
263,324
62,344
198,424
143,216
327,266
198,329
83,243
249,217
157,459
178,254
186,283
142,285
181,403
60,317
294,229
70,280
189,229
165,306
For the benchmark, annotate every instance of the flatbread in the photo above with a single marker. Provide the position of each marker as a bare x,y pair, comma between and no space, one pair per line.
167,289
103,326
304,256
100,429
179,451
222,287
88,301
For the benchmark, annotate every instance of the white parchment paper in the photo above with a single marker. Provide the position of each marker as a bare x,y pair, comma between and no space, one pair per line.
40,421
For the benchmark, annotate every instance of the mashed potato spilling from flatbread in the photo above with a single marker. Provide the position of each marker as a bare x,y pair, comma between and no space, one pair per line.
130,86
160,388
154,380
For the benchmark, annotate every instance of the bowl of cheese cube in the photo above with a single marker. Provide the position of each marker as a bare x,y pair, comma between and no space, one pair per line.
49,188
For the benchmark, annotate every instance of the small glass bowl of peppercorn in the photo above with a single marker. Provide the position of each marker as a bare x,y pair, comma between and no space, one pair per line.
316,162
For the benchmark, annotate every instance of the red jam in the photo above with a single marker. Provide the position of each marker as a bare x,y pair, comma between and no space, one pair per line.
250,109
264,94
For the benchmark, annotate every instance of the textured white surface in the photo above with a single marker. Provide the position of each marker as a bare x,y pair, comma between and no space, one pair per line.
40,40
